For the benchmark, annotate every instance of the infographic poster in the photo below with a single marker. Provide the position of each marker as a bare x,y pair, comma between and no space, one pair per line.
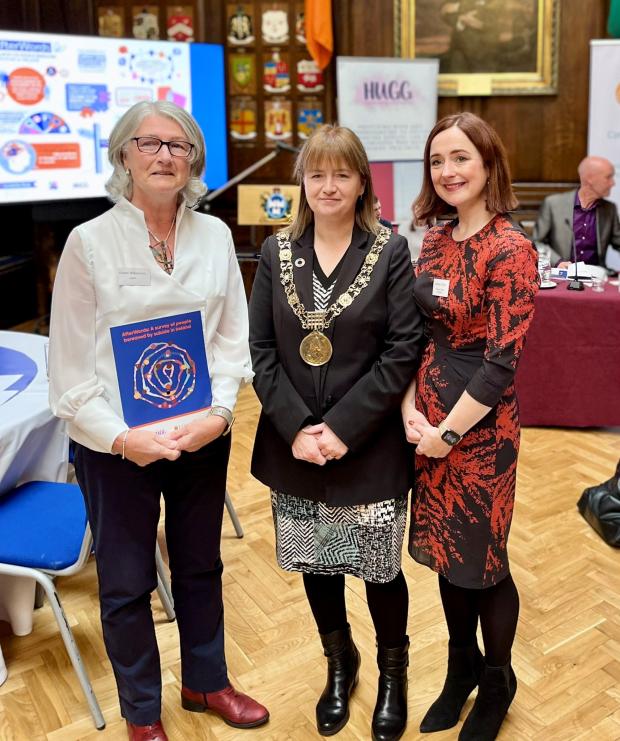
60,96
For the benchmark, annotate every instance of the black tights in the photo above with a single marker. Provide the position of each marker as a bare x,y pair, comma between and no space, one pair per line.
388,603
498,610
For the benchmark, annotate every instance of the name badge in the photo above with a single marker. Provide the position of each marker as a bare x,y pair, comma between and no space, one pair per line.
440,287
134,277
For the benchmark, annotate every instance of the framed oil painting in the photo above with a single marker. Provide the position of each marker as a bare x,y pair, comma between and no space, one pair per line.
484,47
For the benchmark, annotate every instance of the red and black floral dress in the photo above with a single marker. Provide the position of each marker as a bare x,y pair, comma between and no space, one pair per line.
462,504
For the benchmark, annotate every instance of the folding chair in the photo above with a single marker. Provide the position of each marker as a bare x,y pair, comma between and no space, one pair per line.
233,515
44,533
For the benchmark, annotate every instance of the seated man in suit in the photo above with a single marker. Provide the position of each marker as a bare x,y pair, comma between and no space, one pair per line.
581,215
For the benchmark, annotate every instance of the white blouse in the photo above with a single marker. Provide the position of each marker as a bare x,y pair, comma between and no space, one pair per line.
91,295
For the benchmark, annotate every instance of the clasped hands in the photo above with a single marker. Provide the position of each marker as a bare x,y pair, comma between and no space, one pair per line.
421,433
145,446
318,444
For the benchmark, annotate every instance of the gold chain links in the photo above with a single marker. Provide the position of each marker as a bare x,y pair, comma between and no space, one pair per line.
320,320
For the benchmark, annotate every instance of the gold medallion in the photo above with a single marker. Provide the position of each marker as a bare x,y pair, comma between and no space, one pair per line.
315,349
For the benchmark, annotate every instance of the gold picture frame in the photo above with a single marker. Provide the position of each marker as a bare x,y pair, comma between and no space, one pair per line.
485,47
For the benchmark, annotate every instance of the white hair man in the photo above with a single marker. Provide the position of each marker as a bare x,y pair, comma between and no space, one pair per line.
582,216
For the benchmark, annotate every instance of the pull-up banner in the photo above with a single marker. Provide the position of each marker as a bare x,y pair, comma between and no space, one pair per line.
604,114
391,104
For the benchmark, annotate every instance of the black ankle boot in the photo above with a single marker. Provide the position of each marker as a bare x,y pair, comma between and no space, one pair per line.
498,686
390,717
343,661
465,666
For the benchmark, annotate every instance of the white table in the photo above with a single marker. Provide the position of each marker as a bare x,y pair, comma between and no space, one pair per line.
33,446
33,443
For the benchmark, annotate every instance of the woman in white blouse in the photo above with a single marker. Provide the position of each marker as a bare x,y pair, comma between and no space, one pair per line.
149,323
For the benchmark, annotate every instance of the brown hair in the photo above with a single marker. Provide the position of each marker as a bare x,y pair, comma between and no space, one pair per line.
499,196
332,143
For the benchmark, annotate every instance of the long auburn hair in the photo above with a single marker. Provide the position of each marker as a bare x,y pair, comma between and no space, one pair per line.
332,143
500,196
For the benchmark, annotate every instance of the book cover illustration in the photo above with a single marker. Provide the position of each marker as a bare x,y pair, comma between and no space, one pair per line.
162,371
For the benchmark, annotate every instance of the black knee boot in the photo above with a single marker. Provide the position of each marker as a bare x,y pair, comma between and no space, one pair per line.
498,686
390,717
343,661
465,666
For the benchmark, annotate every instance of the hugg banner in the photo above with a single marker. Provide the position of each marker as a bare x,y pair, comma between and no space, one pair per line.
391,104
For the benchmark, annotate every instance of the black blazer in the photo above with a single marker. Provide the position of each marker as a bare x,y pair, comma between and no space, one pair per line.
377,346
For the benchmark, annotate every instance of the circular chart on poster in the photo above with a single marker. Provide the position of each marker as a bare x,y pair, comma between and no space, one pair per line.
26,86
44,122
17,157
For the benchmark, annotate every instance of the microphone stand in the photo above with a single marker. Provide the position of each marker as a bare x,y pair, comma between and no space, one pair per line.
575,284
211,195
205,203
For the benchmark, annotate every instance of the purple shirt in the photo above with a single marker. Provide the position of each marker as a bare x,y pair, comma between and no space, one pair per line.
584,229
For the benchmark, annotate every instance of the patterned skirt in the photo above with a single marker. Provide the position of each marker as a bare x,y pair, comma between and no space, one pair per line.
363,540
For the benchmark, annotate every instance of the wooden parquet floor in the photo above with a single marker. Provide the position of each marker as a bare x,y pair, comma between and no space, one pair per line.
566,656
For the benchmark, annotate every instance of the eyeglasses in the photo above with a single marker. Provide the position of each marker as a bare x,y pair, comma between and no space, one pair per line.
152,145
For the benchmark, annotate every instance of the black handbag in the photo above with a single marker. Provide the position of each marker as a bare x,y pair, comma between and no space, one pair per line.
600,507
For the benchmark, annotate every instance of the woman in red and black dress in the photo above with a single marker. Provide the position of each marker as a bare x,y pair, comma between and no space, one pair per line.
476,280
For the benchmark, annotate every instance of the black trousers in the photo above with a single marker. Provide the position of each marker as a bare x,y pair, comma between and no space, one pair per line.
123,505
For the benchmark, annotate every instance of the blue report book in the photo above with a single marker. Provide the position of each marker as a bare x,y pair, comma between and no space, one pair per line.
162,371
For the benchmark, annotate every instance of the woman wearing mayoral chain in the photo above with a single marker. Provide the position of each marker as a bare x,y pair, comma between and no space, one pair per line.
152,257
476,280
334,336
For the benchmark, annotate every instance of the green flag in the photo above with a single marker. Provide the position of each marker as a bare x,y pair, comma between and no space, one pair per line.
613,22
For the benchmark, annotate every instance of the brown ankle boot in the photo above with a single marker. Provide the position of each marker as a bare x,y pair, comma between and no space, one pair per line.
234,708
152,732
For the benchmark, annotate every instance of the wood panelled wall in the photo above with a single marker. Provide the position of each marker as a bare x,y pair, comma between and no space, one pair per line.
546,135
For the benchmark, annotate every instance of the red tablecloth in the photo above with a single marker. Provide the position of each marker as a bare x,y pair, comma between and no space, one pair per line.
569,374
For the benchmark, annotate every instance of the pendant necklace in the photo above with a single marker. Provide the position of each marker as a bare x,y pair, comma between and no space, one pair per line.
316,348
161,253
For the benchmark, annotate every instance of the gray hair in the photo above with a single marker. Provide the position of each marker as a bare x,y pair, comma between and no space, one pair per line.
120,184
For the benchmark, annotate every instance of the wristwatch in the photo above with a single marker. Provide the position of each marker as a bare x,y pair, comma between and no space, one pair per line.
226,414
450,437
